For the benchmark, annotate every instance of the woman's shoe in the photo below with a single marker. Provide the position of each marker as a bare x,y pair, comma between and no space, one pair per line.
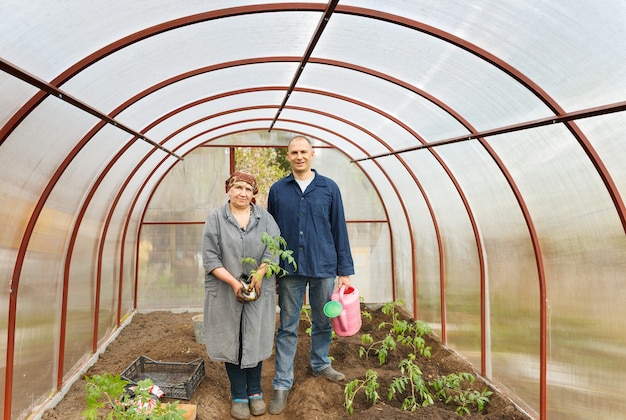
257,405
240,410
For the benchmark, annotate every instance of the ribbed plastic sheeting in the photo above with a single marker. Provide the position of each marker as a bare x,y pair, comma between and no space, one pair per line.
479,148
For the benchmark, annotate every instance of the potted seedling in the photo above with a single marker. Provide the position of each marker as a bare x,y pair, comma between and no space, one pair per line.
278,247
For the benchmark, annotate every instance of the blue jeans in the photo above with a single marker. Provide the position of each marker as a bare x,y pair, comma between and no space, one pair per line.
291,292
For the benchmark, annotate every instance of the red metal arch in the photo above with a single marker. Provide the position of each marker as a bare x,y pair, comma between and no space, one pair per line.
356,11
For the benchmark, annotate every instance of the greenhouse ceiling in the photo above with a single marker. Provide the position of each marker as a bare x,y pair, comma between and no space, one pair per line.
517,105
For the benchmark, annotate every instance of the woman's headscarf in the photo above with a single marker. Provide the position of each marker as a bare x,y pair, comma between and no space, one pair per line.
239,176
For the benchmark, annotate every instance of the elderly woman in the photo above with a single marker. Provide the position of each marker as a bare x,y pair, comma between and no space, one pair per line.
239,325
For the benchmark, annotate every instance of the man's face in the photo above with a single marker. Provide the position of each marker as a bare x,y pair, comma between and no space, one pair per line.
299,154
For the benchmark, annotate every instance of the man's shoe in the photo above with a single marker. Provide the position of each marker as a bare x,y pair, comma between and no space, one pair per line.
257,405
330,373
279,402
239,409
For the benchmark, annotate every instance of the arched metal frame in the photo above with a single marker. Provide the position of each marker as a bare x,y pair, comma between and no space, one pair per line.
53,88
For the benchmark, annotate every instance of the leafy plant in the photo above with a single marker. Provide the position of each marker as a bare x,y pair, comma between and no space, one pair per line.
450,389
305,314
108,397
366,314
369,386
416,391
381,348
389,308
412,334
278,247
411,379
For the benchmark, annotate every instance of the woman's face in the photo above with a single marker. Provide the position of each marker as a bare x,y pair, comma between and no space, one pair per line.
240,194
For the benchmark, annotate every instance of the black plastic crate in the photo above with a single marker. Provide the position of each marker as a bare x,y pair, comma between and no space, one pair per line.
176,380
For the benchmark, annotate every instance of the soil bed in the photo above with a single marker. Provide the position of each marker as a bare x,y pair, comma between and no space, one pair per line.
169,337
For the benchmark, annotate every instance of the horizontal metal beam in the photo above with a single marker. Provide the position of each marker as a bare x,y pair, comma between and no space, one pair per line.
33,80
555,119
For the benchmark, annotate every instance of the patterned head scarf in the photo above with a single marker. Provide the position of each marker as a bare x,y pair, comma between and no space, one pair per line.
239,176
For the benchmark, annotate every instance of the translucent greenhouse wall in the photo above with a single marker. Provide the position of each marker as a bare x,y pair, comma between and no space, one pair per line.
512,246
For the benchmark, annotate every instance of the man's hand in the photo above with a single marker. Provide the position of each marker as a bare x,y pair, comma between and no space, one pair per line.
344,281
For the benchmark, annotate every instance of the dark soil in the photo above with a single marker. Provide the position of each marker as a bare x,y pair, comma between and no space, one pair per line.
169,337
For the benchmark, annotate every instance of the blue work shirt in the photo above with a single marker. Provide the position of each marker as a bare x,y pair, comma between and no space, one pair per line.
314,225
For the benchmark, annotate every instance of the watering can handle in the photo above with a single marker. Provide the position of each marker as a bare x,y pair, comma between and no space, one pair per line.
342,290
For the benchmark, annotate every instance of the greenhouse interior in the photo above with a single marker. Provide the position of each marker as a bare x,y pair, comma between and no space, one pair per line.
479,148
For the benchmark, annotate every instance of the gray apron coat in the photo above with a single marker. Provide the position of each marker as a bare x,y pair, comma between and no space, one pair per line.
224,245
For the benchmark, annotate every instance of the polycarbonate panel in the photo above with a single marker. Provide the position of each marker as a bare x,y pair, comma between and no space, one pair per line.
113,275
427,275
511,280
52,139
359,199
235,83
371,252
570,47
460,255
191,188
171,274
14,94
81,294
69,192
129,255
223,125
387,97
381,136
273,138
207,110
583,247
175,52
450,74
170,268
404,242
37,353
109,281
606,136
38,311
52,48
374,276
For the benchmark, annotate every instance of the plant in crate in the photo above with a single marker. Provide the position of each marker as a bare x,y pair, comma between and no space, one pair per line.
109,397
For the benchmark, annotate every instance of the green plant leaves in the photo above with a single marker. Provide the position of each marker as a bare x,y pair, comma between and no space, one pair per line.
277,245
106,395
369,386
451,389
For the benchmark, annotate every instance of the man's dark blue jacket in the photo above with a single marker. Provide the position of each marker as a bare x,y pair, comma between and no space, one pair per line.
314,225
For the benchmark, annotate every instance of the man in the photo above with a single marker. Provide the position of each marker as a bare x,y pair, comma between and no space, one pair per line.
309,211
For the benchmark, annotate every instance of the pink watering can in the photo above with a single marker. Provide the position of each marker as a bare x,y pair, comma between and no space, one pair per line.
346,317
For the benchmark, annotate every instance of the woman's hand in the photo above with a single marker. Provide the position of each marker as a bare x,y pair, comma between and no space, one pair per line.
257,282
239,294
